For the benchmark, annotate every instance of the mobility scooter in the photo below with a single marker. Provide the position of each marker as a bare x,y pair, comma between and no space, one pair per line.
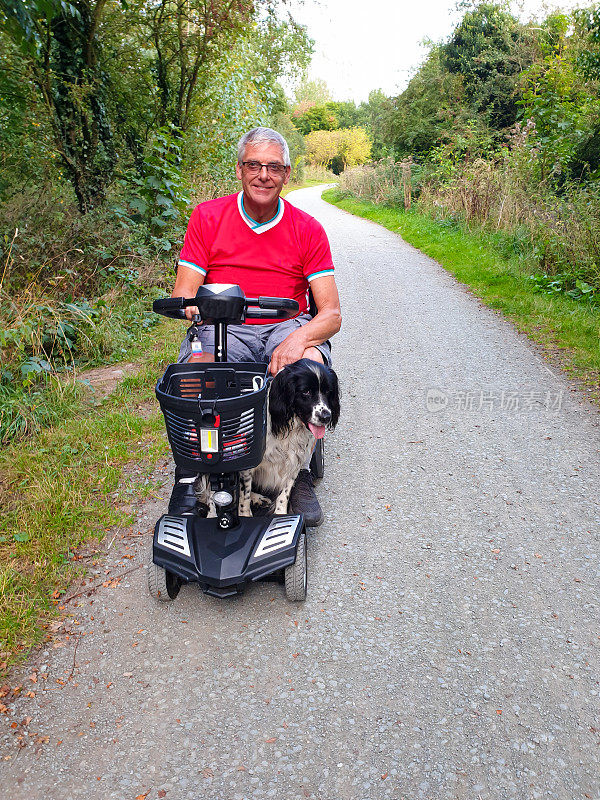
216,415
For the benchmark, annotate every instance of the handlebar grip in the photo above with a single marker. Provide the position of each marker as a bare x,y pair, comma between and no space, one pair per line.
260,313
172,307
279,303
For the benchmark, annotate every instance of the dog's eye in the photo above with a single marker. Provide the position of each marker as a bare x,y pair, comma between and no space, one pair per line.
306,392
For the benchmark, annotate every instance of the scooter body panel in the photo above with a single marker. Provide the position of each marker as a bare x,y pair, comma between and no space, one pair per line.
222,561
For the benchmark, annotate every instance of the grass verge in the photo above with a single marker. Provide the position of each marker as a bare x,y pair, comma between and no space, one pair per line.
64,487
568,330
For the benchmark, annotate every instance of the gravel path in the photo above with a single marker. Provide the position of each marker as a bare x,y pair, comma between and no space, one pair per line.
449,644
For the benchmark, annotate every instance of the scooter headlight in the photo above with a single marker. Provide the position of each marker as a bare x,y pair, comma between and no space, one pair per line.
223,499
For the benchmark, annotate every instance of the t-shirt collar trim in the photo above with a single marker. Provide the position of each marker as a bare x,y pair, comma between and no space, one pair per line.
260,227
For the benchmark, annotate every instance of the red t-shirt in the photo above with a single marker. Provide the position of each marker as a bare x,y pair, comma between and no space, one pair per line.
277,258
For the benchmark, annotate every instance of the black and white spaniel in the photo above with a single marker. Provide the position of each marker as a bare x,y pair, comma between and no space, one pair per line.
303,401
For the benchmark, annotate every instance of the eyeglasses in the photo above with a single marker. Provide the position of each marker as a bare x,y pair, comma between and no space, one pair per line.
254,167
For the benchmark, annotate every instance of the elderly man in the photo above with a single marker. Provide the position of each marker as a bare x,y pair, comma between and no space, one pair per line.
268,247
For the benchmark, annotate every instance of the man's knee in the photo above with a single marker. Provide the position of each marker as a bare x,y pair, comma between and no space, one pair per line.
205,358
314,354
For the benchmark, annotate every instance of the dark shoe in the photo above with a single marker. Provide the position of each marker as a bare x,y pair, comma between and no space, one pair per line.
183,497
303,500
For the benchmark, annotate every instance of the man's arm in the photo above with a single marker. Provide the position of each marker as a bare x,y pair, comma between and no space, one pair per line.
187,283
322,326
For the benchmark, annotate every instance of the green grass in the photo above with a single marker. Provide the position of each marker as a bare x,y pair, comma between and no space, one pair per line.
66,486
568,330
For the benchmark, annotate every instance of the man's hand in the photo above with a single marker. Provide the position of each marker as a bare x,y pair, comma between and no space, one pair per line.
302,342
190,312
186,285
289,351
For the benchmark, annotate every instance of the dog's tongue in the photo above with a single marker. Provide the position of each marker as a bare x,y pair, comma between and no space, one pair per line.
318,431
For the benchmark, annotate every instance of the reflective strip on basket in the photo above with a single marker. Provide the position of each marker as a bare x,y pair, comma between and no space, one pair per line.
172,533
189,388
238,435
183,434
279,534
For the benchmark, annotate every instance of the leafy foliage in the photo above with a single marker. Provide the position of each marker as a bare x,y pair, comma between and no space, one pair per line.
338,149
485,51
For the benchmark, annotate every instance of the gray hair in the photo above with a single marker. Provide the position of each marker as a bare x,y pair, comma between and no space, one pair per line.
263,136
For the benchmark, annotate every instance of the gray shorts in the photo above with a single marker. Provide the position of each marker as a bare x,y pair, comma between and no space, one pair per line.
252,342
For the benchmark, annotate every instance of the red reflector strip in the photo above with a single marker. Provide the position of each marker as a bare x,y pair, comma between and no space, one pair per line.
241,440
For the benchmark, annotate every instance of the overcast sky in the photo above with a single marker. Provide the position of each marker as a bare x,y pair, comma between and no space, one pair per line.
377,44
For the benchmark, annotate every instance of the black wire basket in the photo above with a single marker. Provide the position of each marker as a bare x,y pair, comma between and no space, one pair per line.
215,415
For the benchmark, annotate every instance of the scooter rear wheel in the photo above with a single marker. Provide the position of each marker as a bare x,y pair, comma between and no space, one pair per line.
295,574
163,585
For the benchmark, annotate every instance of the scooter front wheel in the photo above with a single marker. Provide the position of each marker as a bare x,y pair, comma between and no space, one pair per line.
296,574
162,584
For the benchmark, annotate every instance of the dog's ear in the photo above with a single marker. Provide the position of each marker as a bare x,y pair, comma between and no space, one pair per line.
281,402
334,400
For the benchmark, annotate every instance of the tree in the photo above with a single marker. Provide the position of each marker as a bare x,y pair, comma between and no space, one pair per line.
375,117
311,92
187,36
347,113
428,110
316,118
485,49
338,149
555,96
321,147
354,146
60,44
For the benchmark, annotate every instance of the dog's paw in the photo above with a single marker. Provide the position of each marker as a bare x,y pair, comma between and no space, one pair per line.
261,505
260,501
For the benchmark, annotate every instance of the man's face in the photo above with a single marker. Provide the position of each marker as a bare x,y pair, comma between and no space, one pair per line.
262,189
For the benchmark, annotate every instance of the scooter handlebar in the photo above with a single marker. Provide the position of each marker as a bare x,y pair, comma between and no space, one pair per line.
277,308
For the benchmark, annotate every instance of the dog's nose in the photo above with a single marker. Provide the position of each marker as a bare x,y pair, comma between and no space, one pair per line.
325,416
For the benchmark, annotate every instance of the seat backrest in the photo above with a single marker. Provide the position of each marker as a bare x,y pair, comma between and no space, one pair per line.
312,306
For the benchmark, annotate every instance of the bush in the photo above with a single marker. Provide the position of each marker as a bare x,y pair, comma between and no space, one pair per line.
385,182
74,290
559,235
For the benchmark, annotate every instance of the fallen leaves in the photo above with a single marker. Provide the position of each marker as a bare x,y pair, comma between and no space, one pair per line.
112,584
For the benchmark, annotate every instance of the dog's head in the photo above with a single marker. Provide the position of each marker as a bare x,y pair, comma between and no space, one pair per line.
308,391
